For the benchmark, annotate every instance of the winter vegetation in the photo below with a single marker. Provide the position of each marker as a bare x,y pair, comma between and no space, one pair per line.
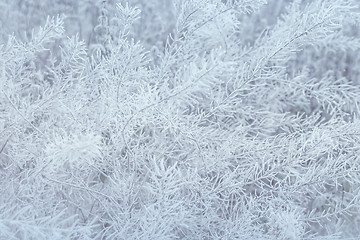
181,119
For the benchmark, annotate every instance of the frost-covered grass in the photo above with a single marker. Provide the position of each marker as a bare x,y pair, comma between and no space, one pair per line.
196,119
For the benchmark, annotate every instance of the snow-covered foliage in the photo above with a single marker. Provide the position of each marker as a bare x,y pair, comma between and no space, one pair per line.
183,119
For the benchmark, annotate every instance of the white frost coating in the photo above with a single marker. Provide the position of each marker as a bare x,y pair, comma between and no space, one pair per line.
196,119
